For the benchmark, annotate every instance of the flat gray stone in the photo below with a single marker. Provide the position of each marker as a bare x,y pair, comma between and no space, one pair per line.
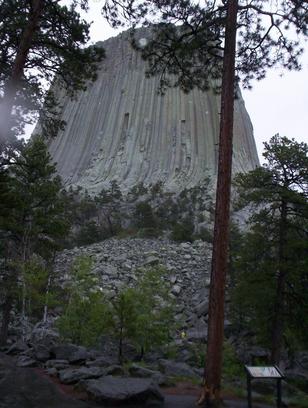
72,353
58,364
143,372
25,361
175,369
151,261
101,362
73,375
113,390
41,353
18,347
202,308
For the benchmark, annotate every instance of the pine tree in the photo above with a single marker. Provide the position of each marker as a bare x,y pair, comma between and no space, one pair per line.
32,216
41,40
278,194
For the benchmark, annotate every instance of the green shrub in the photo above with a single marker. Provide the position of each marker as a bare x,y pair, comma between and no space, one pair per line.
183,232
232,368
89,233
144,217
87,314
143,314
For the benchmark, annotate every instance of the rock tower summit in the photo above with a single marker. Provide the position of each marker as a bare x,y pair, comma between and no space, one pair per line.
121,129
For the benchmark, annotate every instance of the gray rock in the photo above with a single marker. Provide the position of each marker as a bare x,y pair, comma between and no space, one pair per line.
101,362
63,351
41,353
176,290
112,390
197,334
52,372
110,270
207,283
122,158
151,261
79,356
174,369
202,308
58,364
44,335
26,388
142,372
173,279
25,361
18,347
115,370
74,354
71,376
185,245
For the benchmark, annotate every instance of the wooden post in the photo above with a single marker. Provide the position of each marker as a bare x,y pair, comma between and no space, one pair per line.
249,391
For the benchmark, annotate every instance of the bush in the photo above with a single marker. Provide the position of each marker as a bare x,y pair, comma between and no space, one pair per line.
205,235
87,314
183,232
232,367
143,315
90,233
144,217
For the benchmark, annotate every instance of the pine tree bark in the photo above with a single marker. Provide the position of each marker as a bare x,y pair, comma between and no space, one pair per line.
279,306
214,356
12,85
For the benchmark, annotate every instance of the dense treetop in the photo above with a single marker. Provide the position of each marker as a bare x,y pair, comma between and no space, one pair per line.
41,40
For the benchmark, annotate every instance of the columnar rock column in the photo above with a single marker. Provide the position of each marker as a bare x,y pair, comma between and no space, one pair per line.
121,129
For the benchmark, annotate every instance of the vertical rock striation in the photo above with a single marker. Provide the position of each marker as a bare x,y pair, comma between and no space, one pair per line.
121,129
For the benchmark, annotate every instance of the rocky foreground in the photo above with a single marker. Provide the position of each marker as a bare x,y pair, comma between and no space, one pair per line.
39,365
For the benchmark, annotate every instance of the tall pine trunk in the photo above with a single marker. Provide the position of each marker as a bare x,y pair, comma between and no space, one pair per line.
279,306
12,84
214,356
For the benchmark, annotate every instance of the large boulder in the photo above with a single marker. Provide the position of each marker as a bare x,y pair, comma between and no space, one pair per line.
74,354
101,362
174,369
73,375
27,388
44,334
25,361
143,372
58,364
111,390
41,352
18,347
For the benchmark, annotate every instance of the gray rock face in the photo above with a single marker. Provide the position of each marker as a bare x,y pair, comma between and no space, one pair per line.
121,129
124,390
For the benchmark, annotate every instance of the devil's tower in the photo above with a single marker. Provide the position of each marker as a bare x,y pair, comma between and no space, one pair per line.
121,129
